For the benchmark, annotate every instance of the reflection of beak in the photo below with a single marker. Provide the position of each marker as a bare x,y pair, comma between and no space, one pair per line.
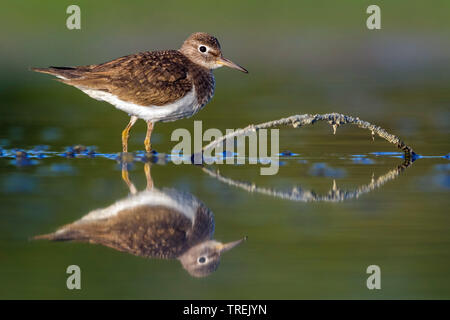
228,63
230,245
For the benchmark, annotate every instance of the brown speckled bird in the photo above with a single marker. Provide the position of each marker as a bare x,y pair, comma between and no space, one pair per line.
166,224
153,86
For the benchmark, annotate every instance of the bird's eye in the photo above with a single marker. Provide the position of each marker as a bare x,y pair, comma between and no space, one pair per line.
202,49
202,260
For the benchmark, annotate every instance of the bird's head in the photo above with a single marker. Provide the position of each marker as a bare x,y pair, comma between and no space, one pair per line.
203,259
204,50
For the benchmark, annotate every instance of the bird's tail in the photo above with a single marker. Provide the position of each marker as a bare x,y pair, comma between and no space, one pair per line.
48,236
61,235
60,72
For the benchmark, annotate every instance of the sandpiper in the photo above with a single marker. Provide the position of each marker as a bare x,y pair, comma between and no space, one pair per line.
153,86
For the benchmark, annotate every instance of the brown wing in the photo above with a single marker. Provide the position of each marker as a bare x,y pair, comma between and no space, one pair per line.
203,228
149,78
158,232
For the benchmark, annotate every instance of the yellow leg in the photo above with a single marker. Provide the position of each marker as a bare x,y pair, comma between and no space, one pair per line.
125,178
148,175
125,133
148,146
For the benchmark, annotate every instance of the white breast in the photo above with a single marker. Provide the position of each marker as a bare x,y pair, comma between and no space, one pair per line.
182,108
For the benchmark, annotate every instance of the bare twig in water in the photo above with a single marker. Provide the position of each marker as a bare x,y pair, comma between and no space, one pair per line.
298,194
334,119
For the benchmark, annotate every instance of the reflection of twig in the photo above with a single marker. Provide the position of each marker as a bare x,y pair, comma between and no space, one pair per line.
298,194
335,119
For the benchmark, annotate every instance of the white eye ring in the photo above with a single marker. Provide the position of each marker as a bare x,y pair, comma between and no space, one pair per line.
202,260
203,47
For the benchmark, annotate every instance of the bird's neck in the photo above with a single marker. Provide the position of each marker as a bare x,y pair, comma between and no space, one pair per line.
204,82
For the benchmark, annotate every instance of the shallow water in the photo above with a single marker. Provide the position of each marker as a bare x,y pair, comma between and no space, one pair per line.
338,204
312,229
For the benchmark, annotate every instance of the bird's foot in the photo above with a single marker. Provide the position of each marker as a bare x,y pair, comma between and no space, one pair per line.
150,156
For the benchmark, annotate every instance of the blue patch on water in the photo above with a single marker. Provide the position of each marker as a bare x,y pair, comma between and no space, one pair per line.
387,153
363,160
25,158
68,155
4,142
142,153
51,134
442,180
418,156
414,156
62,167
18,183
56,169
39,152
287,153
74,151
24,162
442,167
321,169
40,148
21,158
111,156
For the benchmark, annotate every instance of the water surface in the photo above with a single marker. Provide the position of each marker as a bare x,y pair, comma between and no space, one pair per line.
312,229
338,204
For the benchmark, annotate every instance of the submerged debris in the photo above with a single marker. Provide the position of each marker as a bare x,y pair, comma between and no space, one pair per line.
22,159
21,155
79,150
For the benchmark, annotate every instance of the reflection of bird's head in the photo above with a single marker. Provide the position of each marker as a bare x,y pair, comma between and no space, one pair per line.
204,258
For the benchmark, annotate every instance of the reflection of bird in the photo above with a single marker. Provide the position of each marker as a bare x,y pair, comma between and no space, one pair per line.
155,224
154,86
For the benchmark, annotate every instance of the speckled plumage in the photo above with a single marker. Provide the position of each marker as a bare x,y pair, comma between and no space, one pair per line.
148,231
147,79
154,86
153,223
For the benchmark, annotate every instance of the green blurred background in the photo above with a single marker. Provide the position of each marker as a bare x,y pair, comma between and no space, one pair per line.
303,57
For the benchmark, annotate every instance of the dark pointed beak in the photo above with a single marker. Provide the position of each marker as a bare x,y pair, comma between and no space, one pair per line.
228,63
230,245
